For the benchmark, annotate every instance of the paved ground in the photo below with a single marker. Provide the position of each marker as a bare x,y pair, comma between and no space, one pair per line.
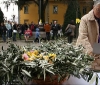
18,42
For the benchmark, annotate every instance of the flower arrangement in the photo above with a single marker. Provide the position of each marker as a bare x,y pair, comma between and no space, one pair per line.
58,58
34,54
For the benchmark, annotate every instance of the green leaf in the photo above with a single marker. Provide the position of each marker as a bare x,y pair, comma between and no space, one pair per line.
8,76
15,59
2,74
90,76
12,69
38,76
22,82
26,72
44,73
68,76
50,71
96,83
93,79
30,63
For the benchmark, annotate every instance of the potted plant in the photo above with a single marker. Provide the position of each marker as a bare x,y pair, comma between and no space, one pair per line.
48,62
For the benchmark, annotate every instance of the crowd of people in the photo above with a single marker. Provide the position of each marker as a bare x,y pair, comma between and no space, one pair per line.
9,30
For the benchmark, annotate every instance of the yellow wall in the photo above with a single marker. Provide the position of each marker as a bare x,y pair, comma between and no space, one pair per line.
49,15
32,14
85,3
61,12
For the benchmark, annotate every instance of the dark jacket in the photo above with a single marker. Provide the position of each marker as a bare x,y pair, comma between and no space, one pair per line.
14,27
55,27
3,30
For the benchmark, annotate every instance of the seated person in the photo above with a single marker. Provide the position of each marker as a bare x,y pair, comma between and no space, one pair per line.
27,34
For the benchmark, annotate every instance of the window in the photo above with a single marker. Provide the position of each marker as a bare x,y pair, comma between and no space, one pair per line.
55,9
84,10
26,21
25,9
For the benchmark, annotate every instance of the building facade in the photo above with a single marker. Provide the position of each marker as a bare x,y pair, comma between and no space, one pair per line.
12,11
54,11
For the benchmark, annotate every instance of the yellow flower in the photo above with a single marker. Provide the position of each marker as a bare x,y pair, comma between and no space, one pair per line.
77,20
46,58
28,53
32,52
40,56
30,59
36,52
33,55
52,56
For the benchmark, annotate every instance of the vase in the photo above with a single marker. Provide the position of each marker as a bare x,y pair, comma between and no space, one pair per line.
49,81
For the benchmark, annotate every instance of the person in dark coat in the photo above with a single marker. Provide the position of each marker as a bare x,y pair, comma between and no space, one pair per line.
14,31
55,28
3,30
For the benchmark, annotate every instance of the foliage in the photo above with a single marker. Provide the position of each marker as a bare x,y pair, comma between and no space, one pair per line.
1,16
22,3
52,58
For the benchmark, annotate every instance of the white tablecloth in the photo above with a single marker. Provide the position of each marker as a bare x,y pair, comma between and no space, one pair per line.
75,81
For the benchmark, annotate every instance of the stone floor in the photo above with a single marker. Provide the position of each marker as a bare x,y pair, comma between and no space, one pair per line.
18,42
22,43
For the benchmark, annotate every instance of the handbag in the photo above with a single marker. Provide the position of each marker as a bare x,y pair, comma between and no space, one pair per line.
14,31
68,31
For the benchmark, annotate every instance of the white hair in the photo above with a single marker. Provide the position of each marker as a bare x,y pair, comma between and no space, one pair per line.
96,2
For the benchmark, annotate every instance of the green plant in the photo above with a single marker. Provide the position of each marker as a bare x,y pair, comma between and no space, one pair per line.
52,58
